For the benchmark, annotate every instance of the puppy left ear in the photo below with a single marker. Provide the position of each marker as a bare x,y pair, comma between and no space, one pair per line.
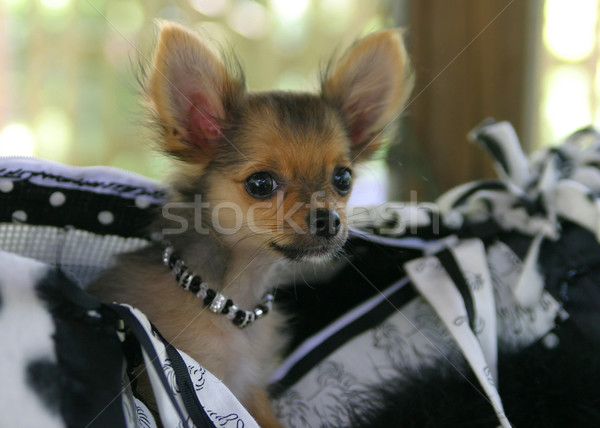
191,92
369,86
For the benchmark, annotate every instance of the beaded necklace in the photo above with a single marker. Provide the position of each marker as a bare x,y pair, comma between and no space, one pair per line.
213,300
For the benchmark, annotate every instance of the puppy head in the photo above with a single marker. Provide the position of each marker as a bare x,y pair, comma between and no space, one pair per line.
274,169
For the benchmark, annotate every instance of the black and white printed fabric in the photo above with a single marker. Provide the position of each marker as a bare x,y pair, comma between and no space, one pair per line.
460,288
502,263
478,310
67,361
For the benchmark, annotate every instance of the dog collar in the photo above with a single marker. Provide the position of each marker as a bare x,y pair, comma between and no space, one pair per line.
213,300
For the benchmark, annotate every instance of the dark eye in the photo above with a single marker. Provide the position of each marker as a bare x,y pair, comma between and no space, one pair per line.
260,185
342,180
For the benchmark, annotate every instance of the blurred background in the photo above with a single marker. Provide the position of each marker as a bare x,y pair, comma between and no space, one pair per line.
68,69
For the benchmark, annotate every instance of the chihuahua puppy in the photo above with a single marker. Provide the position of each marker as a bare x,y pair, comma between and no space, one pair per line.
262,179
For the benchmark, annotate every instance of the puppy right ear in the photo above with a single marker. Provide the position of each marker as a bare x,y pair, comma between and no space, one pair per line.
191,91
369,85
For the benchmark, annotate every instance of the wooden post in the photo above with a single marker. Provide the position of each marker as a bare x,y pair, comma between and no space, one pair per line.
471,60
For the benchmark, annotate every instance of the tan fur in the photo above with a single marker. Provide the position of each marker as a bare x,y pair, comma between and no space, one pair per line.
231,354
303,171
223,134
190,60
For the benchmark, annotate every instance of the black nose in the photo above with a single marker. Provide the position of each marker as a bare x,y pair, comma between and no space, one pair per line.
324,223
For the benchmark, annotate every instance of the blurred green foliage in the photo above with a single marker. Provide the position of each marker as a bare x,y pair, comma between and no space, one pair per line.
68,68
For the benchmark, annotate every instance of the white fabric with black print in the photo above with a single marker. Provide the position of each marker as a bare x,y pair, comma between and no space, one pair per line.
504,303
32,390
26,346
221,406
430,327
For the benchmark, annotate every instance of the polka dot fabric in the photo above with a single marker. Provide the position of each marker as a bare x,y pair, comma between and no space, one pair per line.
100,200
75,218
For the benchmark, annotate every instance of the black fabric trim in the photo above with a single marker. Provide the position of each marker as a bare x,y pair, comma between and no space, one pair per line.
369,320
495,150
186,386
75,294
482,185
140,334
21,174
487,230
449,263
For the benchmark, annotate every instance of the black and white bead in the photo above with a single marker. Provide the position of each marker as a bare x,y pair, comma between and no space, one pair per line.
213,300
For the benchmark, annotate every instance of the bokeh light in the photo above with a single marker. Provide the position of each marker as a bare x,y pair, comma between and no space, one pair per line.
372,186
291,39
566,104
69,78
249,19
54,132
210,7
16,139
55,4
570,28
288,11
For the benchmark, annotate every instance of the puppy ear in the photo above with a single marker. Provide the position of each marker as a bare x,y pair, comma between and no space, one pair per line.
191,91
369,86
